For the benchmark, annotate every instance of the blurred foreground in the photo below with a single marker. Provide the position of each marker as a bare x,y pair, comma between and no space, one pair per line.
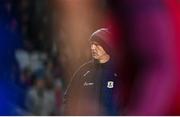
43,42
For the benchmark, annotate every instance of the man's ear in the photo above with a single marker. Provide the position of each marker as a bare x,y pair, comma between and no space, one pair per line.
100,47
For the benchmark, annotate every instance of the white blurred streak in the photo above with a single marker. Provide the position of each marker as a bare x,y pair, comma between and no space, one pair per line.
74,22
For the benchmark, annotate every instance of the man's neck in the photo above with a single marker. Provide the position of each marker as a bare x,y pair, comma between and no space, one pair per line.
105,58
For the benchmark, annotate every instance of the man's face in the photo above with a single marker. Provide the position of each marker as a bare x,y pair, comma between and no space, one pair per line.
97,50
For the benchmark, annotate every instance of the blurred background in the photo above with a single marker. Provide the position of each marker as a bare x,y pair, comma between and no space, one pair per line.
43,42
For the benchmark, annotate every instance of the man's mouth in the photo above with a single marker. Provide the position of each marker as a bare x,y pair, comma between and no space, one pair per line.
93,53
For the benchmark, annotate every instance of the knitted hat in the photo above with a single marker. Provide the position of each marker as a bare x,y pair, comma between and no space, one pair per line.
102,37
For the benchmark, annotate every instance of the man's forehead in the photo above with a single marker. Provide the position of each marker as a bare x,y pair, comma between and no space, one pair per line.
94,42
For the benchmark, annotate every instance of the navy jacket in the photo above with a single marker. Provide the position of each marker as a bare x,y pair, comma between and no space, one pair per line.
92,90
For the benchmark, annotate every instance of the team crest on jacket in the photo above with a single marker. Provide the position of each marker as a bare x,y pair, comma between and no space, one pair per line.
110,84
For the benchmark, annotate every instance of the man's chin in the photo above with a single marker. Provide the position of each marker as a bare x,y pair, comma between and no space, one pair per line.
95,57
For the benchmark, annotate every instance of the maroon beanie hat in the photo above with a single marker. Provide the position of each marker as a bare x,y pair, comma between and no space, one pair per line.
103,38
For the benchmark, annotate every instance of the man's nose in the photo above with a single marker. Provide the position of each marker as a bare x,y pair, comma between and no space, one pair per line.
93,47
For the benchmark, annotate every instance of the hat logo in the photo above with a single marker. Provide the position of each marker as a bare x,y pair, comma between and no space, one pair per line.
110,84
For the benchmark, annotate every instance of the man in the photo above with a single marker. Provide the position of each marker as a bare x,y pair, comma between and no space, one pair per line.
91,90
